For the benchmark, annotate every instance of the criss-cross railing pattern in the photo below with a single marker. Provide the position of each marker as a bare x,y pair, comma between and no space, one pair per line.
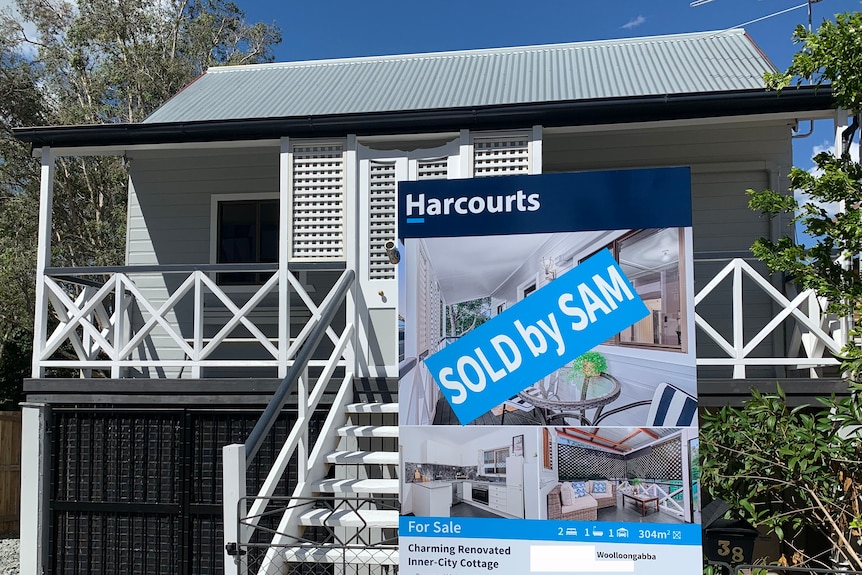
103,319
815,339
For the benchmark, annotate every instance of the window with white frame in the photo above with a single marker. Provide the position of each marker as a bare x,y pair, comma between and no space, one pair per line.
651,261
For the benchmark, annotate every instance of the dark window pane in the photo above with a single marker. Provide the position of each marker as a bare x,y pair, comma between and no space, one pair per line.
247,233
269,231
237,232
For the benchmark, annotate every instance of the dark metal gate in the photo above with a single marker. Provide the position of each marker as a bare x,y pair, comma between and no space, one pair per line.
138,490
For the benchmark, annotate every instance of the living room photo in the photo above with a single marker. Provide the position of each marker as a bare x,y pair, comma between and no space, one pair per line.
621,474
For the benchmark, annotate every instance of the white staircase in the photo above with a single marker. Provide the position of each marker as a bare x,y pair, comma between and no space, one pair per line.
349,516
364,467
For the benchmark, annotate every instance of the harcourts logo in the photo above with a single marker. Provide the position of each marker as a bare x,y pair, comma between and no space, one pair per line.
418,207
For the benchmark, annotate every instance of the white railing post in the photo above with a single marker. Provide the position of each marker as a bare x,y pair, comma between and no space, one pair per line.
119,324
198,328
233,475
43,259
285,179
302,415
738,333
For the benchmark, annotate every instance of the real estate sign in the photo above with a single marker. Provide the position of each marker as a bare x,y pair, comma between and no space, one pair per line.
548,390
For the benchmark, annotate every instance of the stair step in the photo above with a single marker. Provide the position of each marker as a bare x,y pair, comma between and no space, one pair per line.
379,556
361,457
357,486
372,408
350,518
368,431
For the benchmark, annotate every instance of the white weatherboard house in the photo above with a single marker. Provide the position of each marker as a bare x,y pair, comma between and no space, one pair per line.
260,201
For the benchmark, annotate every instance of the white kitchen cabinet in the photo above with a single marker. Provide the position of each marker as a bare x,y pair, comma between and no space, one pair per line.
515,501
432,498
497,498
429,452
468,491
440,454
468,459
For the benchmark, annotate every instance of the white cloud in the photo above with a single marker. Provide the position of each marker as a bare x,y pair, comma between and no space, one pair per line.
634,23
826,146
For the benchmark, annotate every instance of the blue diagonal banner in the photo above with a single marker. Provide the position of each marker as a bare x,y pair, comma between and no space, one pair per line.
541,333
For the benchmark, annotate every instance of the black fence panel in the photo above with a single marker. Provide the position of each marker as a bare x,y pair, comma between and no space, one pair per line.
139,490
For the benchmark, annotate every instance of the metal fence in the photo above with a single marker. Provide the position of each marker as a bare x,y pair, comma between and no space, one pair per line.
324,546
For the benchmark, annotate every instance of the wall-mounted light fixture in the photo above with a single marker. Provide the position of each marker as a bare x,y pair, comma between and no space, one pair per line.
549,268
392,252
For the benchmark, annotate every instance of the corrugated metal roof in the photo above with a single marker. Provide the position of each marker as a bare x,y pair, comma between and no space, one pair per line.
676,64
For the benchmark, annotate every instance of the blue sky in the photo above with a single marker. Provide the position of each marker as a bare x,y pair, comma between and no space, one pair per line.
337,29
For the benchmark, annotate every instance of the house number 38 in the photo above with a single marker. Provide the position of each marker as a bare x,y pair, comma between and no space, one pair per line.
724,549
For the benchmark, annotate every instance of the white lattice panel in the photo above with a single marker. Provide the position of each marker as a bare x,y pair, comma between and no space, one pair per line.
435,327
318,202
423,298
381,218
501,156
432,169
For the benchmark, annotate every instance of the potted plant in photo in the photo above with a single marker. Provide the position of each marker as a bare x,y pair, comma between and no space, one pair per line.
587,366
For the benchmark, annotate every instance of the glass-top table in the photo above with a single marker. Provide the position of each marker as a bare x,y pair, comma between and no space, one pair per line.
559,395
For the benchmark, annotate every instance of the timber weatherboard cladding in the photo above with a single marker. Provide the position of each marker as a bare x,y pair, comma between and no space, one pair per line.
170,216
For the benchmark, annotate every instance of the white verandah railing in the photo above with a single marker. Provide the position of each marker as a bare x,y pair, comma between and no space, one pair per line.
111,323
92,326
815,339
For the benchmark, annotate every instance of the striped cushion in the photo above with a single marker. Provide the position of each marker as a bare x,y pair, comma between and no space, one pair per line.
672,408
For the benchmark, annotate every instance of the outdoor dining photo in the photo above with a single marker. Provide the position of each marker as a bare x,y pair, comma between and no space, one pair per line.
644,375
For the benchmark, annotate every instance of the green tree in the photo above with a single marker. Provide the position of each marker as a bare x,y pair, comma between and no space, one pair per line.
91,62
831,54
20,104
793,471
799,471
464,316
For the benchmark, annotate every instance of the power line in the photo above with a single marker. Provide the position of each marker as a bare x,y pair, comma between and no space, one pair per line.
779,13
697,3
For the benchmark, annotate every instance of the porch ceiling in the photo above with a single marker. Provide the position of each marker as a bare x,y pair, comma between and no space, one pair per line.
468,268
614,439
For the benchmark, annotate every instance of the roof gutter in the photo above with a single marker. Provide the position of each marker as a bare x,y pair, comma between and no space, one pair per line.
548,114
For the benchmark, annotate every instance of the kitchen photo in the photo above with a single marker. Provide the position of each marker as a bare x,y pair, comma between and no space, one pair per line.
471,471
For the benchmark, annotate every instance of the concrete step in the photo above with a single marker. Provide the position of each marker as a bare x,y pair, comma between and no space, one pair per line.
363,457
309,554
357,486
368,431
372,408
350,518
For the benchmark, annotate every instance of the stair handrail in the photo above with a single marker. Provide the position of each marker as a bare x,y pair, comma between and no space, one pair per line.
275,406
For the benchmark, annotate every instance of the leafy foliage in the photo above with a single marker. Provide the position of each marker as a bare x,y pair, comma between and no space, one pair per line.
464,316
589,364
792,470
831,54
789,469
91,62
